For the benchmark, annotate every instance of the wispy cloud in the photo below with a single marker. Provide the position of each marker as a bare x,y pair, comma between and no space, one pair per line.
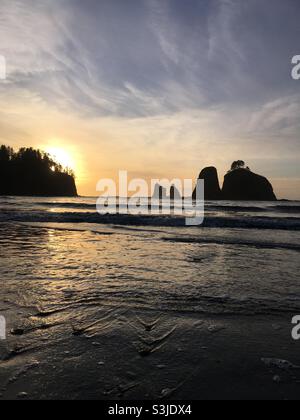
205,79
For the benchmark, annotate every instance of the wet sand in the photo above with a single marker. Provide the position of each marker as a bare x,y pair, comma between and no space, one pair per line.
147,355
114,313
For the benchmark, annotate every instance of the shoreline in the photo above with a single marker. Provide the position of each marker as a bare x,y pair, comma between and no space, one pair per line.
123,313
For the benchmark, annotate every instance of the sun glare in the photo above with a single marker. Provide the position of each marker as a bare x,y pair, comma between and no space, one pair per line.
62,157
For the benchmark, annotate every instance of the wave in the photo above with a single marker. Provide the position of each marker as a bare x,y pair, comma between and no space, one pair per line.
224,241
255,209
291,223
67,205
209,207
93,206
251,209
288,209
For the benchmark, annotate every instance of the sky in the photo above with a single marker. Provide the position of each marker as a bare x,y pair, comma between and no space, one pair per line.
161,88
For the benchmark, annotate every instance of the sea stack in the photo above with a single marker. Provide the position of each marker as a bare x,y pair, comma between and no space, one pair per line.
243,185
175,193
211,184
159,193
162,193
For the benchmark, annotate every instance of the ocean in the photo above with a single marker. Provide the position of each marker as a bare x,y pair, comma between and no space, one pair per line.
68,273
245,258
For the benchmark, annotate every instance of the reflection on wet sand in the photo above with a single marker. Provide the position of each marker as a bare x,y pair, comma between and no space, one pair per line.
133,313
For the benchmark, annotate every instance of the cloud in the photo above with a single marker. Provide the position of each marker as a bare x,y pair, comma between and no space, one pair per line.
84,57
189,83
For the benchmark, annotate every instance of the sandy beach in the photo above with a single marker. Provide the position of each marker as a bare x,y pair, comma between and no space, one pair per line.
113,312
183,357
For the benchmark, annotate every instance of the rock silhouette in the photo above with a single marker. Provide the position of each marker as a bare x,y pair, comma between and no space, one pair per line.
162,193
244,185
175,193
159,193
240,184
211,182
31,172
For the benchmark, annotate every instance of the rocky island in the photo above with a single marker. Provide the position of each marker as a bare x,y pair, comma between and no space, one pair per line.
240,184
211,182
30,172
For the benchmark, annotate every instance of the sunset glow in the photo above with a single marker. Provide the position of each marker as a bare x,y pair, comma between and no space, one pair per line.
62,157
147,103
149,203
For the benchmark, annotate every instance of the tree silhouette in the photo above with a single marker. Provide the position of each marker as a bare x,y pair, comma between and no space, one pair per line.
33,172
6,154
238,164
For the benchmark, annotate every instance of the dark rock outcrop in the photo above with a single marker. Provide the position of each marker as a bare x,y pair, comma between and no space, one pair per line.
244,185
31,172
211,184
54,184
159,193
162,193
175,193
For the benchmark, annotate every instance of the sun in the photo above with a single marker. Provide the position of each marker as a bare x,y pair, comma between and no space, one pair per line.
61,156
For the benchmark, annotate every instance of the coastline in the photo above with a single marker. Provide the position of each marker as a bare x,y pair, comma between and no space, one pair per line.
193,358
115,311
